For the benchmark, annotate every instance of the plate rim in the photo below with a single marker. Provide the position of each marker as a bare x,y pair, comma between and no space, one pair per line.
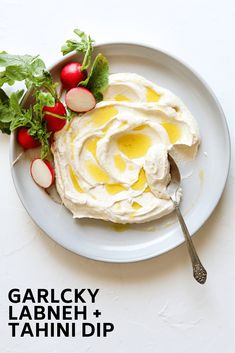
225,176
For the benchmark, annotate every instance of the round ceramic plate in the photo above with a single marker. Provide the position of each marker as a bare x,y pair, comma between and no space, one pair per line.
202,186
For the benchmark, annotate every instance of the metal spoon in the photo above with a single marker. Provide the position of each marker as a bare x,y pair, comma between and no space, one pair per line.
199,272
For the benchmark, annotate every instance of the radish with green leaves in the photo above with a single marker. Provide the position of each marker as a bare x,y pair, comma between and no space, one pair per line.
85,81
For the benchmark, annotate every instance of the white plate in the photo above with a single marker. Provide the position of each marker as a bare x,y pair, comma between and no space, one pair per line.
202,190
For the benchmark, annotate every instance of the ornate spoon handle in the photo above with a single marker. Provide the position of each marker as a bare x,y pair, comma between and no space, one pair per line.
199,272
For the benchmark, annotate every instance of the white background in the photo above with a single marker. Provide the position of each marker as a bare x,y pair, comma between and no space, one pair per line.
155,305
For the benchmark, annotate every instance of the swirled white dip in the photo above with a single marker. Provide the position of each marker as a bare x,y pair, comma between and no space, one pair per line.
111,163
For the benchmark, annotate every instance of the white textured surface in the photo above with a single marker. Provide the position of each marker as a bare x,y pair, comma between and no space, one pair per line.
155,305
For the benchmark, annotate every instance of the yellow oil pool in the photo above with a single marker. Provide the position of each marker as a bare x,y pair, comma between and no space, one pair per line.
74,180
103,115
147,189
141,182
114,188
97,173
91,145
136,205
140,127
119,162
121,98
151,95
134,145
173,131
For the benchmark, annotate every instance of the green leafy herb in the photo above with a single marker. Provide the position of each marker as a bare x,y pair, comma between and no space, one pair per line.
5,112
30,69
42,99
3,97
13,116
83,46
97,80
14,101
38,125
39,131
10,111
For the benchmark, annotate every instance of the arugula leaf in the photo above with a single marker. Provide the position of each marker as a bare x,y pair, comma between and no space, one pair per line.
42,99
5,114
22,119
15,60
17,67
38,127
3,97
38,130
97,80
13,116
14,101
25,67
83,46
10,109
45,146
4,127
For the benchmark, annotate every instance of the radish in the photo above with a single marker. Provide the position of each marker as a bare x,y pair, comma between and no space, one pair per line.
42,172
25,139
71,75
80,100
53,123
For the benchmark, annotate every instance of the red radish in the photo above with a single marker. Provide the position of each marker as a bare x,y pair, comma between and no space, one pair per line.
42,172
53,123
80,99
71,75
25,139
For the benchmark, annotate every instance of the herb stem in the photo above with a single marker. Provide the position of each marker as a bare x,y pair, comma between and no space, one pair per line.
51,90
55,115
